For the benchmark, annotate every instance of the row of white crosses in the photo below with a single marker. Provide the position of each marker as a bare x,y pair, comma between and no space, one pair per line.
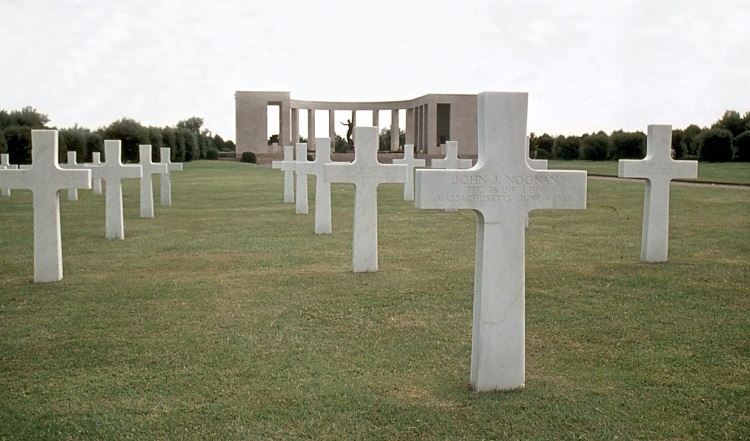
502,188
45,178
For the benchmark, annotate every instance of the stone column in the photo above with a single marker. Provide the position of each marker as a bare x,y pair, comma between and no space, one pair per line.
283,124
310,129
295,128
394,130
410,128
431,127
376,119
331,128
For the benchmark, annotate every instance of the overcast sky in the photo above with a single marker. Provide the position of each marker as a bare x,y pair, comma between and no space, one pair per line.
588,65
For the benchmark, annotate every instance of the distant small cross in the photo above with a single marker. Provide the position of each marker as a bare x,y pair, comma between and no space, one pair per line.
72,164
301,188
501,188
166,178
5,163
45,179
96,183
411,163
451,160
147,187
658,168
366,173
322,188
288,167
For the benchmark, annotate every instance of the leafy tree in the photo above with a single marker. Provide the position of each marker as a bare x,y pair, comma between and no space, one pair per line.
273,138
75,141
19,144
190,138
544,145
731,121
627,145
3,142
179,151
742,144
131,133
690,139
595,147
716,145
192,124
340,145
384,139
29,117
566,148
94,143
678,143
155,137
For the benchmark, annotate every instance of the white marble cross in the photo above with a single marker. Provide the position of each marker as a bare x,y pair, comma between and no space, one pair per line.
147,186
366,173
322,188
73,164
501,188
288,167
45,179
658,168
411,163
536,164
5,163
166,180
301,188
112,171
96,183
451,160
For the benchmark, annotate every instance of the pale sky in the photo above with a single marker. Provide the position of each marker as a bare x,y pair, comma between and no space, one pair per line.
587,65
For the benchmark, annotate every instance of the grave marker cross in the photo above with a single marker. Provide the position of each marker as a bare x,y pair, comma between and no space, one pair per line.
301,195
147,186
112,171
45,179
166,179
366,173
5,163
96,183
658,168
411,163
288,167
502,189
73,165
322,188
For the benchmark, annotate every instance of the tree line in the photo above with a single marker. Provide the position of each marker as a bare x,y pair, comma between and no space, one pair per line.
187,140
728,139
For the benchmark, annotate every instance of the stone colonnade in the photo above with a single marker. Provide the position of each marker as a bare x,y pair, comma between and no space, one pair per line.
431,120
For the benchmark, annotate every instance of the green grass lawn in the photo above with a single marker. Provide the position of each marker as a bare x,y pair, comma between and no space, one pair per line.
731,172
225,317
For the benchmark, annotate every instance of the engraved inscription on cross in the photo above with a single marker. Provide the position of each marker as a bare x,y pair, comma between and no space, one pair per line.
411,162
501,188
288,167
45,179
658,168
322,188
366,173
